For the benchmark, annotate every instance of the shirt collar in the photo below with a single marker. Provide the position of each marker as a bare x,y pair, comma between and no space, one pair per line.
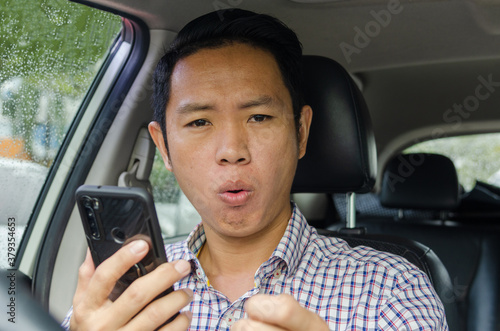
196,239
294,241
290,248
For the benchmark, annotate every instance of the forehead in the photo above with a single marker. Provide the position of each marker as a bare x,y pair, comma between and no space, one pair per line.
235,68
241,52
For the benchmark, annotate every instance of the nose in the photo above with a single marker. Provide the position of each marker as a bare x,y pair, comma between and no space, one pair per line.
232,146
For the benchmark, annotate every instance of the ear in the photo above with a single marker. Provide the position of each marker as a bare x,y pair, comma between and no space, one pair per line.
305,125
155,132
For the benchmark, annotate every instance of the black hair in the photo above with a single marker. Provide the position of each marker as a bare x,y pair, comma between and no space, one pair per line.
223,28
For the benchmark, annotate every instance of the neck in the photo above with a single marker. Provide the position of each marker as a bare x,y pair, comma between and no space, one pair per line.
230,263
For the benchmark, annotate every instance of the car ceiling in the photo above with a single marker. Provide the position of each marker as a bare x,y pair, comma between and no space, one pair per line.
427,58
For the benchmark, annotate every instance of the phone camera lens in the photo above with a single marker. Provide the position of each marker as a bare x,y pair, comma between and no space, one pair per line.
92,223
87,202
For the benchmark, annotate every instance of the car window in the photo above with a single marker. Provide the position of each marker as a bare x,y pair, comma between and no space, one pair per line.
50,53
176,214
476,157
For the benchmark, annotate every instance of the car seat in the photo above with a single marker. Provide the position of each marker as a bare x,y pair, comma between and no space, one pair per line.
341,158
420,181
470,251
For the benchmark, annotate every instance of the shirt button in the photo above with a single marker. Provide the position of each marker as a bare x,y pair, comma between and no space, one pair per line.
229,319
277,273
198,273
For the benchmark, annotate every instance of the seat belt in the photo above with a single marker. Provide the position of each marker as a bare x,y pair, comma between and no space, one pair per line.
140,164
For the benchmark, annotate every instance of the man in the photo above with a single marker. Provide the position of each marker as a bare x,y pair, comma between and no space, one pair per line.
231,125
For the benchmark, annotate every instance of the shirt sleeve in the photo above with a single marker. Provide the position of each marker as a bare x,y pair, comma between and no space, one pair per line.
65,322
413,305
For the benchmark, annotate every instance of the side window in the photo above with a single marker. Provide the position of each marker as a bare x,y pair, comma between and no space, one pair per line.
50,53
176,214
476,157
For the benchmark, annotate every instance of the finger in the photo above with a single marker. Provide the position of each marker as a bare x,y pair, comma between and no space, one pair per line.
252,325
160,310
84,275
108,272
146,288
181,322
283,311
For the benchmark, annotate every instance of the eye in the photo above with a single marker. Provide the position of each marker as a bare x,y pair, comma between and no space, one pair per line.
259,118
199,123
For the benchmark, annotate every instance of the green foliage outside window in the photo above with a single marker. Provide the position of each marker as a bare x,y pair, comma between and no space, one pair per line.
50,52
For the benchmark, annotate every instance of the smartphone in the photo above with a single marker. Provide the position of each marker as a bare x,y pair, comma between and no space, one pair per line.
114,216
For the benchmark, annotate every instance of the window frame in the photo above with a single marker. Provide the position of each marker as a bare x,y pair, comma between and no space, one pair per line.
38,249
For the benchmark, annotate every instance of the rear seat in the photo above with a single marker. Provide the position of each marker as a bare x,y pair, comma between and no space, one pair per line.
417,191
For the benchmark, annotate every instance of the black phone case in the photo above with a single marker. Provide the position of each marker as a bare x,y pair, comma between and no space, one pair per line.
114,216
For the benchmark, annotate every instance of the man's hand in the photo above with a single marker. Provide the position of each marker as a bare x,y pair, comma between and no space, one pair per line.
132,310
282,312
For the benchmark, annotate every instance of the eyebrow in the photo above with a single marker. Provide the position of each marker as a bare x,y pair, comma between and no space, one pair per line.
264,100
193,107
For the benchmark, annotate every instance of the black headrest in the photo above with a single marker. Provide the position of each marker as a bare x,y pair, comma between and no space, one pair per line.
341,154
420,181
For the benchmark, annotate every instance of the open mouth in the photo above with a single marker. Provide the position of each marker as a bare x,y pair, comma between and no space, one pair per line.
235,193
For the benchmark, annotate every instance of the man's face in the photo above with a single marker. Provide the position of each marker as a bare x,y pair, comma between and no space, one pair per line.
232,141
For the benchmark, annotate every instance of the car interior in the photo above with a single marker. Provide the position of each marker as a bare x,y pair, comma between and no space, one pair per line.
380,75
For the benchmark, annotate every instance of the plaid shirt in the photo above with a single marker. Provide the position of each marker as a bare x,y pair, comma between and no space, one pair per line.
350,288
